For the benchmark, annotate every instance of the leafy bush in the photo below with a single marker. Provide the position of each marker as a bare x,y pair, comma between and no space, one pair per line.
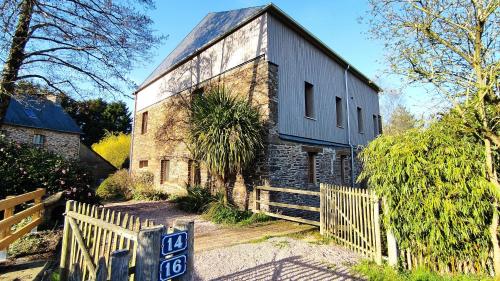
433,181
374,272
24,168
116,186
114,147
196,201
224,213
121,185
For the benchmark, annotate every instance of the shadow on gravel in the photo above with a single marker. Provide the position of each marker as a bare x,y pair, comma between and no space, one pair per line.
292,268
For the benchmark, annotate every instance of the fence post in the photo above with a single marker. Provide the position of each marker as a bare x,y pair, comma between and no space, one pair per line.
256,206
378,239
37,215
322,211
9,212
66,244
392,246
101,273
119,265
148,253
184,225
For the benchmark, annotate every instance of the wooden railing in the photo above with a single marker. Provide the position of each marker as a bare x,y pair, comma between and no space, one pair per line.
10,218
257,203
351,216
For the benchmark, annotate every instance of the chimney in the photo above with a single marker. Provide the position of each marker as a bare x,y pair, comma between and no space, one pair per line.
54,98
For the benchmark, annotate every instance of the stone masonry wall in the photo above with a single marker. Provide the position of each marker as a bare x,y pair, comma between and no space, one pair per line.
167,129
65,144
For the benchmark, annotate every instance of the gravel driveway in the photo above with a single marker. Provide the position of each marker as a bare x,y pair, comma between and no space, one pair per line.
278,258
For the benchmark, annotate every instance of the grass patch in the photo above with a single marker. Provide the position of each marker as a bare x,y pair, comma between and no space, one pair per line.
312,236
374,272
34,244
281,244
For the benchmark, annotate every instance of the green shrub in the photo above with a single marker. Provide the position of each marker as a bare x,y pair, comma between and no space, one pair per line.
24,168
440,177
196,201
34,244
143,188
225,213
116,186
374,272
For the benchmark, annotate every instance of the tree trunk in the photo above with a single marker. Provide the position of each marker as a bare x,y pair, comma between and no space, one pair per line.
492,176
16,56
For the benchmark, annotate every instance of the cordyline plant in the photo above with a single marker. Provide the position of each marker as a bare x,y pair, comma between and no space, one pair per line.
453,48
225,134
437,196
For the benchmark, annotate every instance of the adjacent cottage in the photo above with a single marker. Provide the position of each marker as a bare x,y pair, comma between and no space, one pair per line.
43,123
318,109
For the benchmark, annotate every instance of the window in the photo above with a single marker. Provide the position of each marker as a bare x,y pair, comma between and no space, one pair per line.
164,170
143,163
38,140
309,100
375,125
380,125
361,124
339,111
311,160
343,160
144,126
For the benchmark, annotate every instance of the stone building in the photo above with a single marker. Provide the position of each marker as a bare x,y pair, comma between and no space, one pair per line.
317,108
43,123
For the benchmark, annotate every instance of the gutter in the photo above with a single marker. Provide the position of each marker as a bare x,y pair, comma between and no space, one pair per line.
349,141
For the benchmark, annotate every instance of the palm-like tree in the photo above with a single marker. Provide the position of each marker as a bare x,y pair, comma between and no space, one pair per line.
225,134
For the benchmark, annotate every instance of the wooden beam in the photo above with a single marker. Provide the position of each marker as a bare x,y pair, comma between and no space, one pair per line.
289,190
129,234
8,222
16,200
6,241
79,240
119,265
291,206
301,220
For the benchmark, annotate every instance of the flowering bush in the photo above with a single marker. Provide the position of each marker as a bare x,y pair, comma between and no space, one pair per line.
24,168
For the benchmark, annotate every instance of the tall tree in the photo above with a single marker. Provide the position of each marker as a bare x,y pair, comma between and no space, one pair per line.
453,46
400,121
85,47
97,117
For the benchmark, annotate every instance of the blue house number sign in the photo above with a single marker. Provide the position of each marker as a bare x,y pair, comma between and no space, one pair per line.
173,243
172,267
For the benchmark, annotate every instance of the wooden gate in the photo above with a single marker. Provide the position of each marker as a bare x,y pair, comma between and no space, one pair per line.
351,217
99,244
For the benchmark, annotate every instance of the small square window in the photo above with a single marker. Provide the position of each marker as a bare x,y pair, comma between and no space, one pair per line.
309,100
143,163
144,125
38,140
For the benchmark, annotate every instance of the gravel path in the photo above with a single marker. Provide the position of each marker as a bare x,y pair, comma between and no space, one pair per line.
278,258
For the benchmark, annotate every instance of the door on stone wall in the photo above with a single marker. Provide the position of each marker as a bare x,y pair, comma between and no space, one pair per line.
194,173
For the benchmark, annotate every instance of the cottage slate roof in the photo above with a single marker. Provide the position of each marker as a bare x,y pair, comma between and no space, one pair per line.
38,112
210,28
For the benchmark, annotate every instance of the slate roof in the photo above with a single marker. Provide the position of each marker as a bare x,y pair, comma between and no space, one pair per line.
38,112
215,26
211,27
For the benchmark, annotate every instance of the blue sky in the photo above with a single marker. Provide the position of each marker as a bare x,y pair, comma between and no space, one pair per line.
335,22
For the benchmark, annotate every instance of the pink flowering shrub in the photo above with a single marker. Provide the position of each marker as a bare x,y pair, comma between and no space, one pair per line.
24,168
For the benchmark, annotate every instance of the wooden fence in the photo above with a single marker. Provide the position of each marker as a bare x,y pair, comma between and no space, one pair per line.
258,202
351,217
10,218
99,244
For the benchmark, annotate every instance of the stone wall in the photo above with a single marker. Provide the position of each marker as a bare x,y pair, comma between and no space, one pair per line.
167,128
65,144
